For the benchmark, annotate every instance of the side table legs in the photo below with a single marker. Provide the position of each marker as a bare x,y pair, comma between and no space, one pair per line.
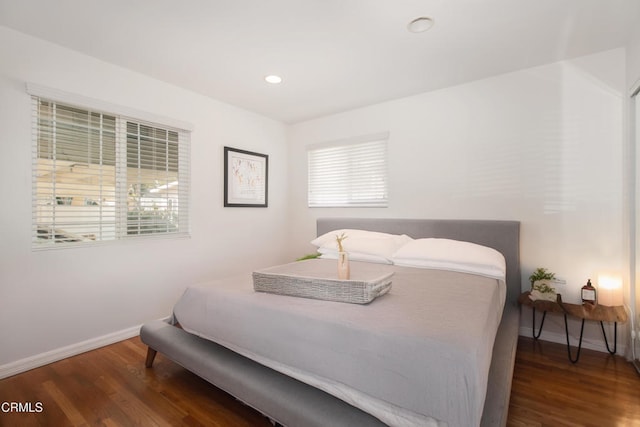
544,314
566,330
615,339
599,313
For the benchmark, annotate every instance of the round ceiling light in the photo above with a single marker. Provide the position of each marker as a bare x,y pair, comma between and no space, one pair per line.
273,79
420,25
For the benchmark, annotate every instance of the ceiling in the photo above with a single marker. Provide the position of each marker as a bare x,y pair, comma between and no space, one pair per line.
333,55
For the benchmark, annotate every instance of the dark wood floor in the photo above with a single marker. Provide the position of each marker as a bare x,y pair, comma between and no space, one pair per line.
111,387
600,390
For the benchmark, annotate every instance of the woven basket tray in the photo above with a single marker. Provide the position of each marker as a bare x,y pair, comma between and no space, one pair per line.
317,279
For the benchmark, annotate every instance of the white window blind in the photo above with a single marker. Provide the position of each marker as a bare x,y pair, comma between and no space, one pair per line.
156,190
349,174
100,176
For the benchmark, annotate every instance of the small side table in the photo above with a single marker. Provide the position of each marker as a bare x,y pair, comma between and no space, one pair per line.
584,312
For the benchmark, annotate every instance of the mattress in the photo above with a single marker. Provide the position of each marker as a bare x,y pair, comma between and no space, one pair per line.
418,355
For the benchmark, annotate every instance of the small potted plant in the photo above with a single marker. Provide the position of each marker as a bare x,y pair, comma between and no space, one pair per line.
541,274
540,285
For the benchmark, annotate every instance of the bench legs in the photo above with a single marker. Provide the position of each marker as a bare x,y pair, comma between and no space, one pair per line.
151,355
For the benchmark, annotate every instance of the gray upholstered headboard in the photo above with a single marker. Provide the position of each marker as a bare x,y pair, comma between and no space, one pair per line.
504,236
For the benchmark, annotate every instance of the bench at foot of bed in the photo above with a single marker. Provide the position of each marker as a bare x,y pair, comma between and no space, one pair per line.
151,355
283,399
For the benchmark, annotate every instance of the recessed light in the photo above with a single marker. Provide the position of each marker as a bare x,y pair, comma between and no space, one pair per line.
420,25
273,79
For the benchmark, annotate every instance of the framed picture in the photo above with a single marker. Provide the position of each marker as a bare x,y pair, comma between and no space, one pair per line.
246,177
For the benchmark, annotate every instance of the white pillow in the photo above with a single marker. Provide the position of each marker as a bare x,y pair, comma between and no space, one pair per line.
452,255
354,256
362,244
330,237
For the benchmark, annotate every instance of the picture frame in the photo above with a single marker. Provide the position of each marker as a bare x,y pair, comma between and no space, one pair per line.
246,178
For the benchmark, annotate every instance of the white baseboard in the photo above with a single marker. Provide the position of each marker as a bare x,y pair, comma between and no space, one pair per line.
42,359
586,343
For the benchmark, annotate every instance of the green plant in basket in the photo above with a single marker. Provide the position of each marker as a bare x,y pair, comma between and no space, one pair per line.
541,274
540,287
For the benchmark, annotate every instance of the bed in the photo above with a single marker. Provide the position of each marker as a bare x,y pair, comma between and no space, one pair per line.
258,347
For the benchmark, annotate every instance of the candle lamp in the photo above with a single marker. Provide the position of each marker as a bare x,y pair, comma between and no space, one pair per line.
610,291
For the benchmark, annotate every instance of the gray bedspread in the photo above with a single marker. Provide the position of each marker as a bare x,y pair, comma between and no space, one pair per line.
418,355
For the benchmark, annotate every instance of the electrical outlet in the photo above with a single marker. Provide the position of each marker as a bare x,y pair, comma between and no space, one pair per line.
559,285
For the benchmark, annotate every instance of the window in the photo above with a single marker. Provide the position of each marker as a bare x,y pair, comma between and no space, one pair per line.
349,173
99,176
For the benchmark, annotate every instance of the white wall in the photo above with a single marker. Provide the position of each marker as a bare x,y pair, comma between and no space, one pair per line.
633,177
633,58
541,145
52,299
